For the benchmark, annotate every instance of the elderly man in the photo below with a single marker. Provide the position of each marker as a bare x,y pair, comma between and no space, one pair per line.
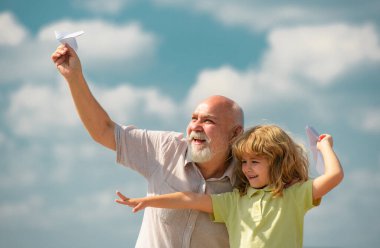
201,162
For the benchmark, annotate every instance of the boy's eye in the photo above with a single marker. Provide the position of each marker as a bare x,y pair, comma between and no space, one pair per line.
243,161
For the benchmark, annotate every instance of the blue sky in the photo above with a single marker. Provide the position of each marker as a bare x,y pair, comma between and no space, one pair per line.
148,63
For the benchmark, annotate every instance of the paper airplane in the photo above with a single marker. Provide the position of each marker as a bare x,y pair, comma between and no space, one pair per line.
313,136
69,38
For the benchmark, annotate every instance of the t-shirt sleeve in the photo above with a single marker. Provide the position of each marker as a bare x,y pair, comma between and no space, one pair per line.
304,195
222,205
143,150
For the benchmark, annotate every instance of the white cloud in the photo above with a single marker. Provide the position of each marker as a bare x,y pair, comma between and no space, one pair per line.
251,15
21,56
12,33
38,110
296,59
320,53
106,44
34,108
226,81
127,103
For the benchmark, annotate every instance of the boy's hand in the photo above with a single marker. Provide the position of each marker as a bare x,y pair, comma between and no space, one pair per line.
137,204
325,140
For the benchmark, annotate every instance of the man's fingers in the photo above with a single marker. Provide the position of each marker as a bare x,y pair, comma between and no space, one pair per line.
59,53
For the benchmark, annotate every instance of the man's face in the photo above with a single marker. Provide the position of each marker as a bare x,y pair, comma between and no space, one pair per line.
209,132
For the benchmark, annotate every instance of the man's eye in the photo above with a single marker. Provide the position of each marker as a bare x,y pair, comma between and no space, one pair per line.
209,121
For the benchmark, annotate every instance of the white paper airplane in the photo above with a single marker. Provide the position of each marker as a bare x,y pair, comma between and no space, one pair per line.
69,38
313,136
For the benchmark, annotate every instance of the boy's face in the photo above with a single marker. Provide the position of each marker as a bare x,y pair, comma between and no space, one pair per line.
256,170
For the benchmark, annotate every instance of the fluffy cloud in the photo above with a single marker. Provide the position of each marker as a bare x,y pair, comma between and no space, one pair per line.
19,52
127,103
251,15
35,107
222,81
51,107
296,58
259,16
320,53
104,45
12,33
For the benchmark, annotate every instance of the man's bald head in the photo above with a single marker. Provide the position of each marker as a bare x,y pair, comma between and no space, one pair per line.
232,112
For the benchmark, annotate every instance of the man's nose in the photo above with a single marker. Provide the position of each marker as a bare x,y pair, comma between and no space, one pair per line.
196,125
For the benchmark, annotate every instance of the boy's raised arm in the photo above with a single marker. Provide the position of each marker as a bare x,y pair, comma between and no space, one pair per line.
333,174
178,200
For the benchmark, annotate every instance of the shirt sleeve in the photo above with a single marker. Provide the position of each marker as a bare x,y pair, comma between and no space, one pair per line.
222,205
143,150
304,195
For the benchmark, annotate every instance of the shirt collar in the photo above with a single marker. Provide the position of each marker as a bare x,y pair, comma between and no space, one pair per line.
252,191
229,173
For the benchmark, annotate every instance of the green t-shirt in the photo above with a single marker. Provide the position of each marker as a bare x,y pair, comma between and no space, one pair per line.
258,219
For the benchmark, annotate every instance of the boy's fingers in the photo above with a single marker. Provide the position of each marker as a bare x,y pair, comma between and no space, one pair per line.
123,197
121,201
138,207
322,137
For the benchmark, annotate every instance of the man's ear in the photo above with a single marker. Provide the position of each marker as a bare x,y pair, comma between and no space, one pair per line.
238,130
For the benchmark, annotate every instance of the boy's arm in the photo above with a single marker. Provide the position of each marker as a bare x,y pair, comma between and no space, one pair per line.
178,200
333,170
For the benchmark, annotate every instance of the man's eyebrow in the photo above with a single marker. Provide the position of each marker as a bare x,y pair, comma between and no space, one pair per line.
203,115
208,116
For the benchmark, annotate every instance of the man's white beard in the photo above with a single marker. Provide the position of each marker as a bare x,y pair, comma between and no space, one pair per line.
200,156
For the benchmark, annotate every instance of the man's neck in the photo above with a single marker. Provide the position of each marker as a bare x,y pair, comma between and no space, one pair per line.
212,170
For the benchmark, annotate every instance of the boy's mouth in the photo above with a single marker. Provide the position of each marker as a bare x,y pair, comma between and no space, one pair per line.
252,177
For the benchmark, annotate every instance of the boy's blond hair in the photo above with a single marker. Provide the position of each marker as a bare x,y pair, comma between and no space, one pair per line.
287,160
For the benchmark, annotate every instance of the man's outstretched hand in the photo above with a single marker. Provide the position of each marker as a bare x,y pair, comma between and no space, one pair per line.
67,61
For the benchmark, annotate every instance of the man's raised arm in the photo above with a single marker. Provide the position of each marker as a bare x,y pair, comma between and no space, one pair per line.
95,119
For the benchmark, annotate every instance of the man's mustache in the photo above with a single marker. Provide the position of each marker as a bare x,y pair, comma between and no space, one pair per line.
198,135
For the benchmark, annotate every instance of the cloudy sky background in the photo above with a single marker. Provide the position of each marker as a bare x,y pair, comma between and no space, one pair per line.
148,63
